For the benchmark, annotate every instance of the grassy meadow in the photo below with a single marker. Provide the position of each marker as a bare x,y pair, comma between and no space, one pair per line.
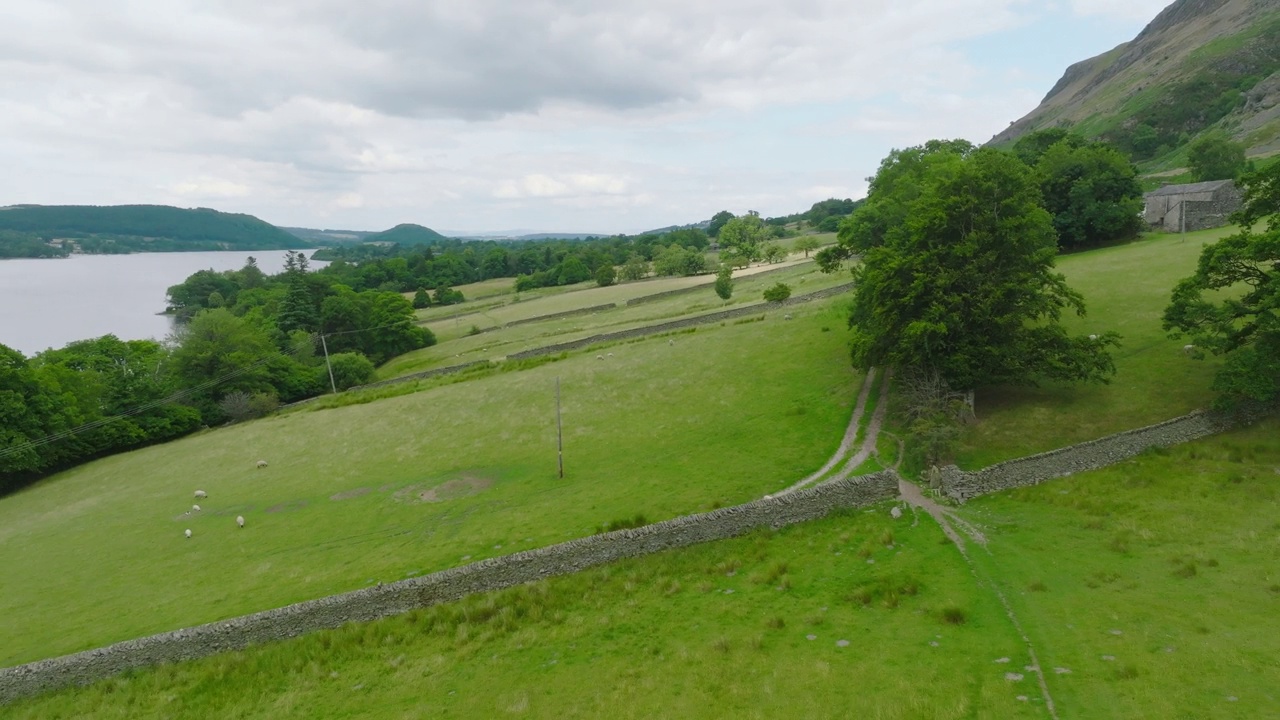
420,482
1145,590
458,345
1126,289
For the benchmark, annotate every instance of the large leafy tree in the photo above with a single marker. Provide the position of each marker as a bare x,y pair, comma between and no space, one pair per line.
958,278
1231,305
744,235
1093,193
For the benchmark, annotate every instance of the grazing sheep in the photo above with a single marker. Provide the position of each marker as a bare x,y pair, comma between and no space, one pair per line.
262,464
768,497
195,508
787,316
240,520
1188,349
609,355
1093,337
599,357
671,342
200,495
188,533
895,512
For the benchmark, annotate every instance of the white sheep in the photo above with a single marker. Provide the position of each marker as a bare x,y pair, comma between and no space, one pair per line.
240,520
610,355
787,316
599,357
895,512
188,533
195,508
1093,337
262,464
1188,349
671,342
200,495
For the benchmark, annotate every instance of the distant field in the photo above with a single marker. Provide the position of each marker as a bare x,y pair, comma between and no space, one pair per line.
1147,590
96,554
459,346
1125,289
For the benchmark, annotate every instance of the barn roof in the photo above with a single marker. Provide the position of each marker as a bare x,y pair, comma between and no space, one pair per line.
1200,187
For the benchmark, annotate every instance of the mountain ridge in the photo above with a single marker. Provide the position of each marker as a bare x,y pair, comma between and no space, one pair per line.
1199,66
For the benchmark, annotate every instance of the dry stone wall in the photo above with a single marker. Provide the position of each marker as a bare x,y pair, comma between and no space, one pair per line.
445,586
567,313
1035,469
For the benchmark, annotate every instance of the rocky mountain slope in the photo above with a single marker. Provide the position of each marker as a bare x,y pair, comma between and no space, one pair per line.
1200,66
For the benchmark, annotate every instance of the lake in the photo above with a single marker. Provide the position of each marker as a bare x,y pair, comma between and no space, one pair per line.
51,302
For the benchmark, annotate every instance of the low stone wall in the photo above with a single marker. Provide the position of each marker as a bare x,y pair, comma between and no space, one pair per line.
680,324
669,293
445,586
1091,455
448,370
567,313
702,286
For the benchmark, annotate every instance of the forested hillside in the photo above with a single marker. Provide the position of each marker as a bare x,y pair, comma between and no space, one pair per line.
133,228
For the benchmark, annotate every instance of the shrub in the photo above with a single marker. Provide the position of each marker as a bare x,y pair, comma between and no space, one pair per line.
953,615
350,369
778,292
239,405
724,282
606,276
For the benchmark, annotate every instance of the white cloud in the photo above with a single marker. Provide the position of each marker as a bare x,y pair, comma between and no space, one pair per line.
1135,10
553,114
206,187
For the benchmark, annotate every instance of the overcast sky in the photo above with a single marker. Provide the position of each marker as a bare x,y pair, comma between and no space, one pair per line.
540,115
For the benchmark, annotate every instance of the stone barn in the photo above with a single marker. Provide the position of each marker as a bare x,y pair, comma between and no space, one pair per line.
1197,206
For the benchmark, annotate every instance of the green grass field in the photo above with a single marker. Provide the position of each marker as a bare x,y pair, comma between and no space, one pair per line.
96,554
1126,289
458,345
1147,590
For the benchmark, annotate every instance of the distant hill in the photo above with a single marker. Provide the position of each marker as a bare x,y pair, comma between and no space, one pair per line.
407,234
143,228
1200,66
328,237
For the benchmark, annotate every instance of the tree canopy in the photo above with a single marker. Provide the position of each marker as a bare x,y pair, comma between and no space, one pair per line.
957,273
1216,157
1231,305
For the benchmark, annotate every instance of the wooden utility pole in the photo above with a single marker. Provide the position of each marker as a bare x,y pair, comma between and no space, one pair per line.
559,432
325,345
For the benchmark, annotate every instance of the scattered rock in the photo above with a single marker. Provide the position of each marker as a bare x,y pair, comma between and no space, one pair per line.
1109,658
933,643
811,637
1117,632
728,591
1013,677
1032,668
1002,660
1232,698
896,512
1023,698
842,643
871,561
1062,671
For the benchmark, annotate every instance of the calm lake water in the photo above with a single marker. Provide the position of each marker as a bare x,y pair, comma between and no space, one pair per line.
51,302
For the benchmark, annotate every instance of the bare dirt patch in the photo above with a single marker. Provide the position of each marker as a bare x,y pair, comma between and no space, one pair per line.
287,506
462,486
349,494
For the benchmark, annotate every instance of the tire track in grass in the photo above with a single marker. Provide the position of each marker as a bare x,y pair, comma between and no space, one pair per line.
850,435
945,517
